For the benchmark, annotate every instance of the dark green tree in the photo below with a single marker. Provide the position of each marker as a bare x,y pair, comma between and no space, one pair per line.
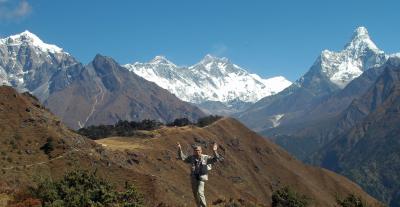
121,128
180,122
205,121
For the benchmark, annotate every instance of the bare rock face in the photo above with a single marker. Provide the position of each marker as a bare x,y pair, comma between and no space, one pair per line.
104,93
99,93
29,64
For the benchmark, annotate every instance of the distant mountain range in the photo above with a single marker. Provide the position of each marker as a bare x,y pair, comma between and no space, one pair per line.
101,92
215,84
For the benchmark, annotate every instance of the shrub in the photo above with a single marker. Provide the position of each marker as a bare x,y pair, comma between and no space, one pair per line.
82,188
351,201
48,147
287,197
130,197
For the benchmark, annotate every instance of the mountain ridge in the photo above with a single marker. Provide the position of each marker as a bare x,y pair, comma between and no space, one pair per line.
104,92
211,79
331,72
367,151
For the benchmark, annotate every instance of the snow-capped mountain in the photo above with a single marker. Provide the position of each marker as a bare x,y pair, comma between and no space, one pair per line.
101,92
29,64
330,73
212,79
359,55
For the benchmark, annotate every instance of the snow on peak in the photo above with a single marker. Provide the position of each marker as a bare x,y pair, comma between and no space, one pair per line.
29,38
394,59
360,31
212,79
161,60
209,58
361,40
359,54
216,66
395,55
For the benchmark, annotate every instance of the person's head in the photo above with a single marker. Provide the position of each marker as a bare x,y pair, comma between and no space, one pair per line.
197,150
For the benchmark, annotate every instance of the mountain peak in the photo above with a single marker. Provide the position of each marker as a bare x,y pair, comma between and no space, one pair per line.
159,59
29,38
361,31
361,40
99,58
209,58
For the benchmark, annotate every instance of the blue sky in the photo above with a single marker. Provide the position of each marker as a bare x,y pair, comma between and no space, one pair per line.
266,37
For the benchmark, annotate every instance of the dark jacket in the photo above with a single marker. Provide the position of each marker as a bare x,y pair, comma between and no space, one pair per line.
200,166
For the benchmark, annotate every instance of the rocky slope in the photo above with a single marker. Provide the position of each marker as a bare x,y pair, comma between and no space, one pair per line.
104,93
331,72
101,92
369,151
318,125
29,64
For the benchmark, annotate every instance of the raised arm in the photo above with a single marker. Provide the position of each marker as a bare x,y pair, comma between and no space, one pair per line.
182,155
216,157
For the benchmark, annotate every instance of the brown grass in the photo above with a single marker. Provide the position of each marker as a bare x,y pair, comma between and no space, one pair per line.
252,169
121,143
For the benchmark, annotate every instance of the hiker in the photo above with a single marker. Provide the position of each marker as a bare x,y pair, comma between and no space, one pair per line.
199,174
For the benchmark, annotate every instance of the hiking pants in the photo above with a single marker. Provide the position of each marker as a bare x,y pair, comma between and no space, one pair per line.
198,192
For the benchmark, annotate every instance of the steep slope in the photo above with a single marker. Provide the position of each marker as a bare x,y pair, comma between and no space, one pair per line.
318,125
29,64
211,80
252,169
104,92
331,72
369,152
26,126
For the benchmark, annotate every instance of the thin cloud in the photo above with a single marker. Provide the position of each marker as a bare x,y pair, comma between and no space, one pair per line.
219,50
9,11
